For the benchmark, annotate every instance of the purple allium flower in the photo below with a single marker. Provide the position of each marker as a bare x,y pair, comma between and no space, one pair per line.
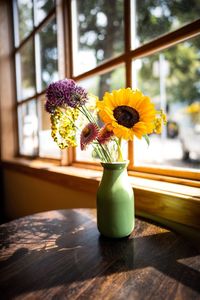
78,96
56,94
64,92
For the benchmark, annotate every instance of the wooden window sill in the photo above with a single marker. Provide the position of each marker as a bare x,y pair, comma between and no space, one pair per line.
166,202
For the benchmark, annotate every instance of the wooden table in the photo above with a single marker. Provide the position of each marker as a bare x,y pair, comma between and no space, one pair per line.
60,255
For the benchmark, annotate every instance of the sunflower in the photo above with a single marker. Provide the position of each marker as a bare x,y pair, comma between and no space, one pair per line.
127,112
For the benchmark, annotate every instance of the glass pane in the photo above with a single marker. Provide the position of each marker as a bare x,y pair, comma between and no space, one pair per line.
171,79
98,85
47,56
28,128
106,82
47,146
42,8
25,70
98,32
25,17
152,18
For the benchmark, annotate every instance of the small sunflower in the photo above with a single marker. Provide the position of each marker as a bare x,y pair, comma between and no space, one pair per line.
127,112
88,135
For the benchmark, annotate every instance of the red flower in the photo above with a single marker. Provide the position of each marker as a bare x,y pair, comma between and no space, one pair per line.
88,135
104,135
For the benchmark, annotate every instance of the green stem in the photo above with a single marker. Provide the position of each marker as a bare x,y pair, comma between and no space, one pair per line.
120,157
105,152
102,153
108,152
98,151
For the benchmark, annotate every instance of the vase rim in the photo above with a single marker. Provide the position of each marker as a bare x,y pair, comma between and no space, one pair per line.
115,164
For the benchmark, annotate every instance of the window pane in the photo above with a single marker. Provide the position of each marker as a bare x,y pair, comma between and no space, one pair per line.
98,85
28,128
25,17
42,8
25,70
153,18
98,32
47,55
106,82
171,79
47,146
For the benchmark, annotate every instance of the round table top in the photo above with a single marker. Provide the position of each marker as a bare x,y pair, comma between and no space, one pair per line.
61,254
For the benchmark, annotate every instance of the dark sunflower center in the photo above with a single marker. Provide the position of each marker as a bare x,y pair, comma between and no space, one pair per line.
126,116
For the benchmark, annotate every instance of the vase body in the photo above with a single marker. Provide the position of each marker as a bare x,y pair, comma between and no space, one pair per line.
115,201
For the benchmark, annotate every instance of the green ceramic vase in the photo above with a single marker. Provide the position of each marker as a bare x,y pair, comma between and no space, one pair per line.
115,201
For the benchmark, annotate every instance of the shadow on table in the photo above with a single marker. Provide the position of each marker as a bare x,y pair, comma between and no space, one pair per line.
53,252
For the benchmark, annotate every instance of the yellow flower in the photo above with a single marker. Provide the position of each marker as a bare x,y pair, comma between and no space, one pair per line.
158,125
159,122
193,108
63,129
163,117
92,102
127,113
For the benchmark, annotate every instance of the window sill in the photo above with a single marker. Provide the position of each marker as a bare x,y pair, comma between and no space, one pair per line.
162,201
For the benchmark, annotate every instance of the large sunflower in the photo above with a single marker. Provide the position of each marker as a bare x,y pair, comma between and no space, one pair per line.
127,113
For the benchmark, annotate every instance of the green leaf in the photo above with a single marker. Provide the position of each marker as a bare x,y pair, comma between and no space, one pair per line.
147,139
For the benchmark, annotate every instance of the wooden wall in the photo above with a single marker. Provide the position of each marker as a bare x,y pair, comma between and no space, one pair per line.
7,83
8,123
25,195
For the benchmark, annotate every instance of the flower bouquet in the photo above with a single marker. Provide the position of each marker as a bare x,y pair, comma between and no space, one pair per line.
121,115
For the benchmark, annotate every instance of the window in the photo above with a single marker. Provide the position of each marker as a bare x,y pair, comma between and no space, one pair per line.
171,78
98,33
153,45
36,58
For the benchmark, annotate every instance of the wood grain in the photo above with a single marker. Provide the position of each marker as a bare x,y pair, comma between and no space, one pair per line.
178,174
8,134
60,255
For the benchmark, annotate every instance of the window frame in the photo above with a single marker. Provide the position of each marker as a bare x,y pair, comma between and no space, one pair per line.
160,43
63,13
54,13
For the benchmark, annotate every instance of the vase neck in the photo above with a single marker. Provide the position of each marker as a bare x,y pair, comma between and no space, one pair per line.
112,175
115,165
